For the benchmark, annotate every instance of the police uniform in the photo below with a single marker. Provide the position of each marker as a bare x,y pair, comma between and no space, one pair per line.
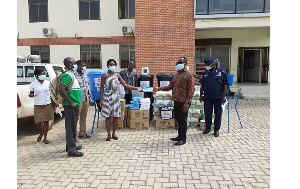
213,87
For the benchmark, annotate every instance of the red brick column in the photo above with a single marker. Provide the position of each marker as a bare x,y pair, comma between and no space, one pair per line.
164,31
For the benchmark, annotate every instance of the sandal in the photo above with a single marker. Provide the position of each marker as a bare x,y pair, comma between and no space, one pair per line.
39,139
114,137
85,136
46,141
108,139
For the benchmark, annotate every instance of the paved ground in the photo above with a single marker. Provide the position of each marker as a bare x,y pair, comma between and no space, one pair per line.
148,159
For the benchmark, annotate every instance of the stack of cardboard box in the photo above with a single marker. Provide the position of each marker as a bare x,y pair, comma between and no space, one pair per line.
137,119
163,99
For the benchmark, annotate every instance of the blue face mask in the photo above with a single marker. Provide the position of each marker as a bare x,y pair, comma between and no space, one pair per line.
208,67
83,69
42,77
112,68
75,67
179,67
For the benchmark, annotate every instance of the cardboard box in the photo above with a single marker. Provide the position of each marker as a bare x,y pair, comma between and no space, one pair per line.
139,124
165,123
122,102
121,124
202,126
139,114
122,114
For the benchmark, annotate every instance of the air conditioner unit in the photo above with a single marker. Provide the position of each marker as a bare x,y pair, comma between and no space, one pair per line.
47,31
126,29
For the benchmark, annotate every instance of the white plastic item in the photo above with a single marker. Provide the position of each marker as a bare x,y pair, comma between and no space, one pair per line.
145,70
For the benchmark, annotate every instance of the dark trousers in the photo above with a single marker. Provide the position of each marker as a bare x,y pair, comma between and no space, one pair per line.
71,117
128,98
181,117
209,105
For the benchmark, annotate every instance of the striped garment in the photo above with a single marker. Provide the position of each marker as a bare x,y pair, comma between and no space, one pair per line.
111,99
182,86
129,78
84,85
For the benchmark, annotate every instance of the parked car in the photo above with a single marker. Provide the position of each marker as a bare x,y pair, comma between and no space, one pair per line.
25,75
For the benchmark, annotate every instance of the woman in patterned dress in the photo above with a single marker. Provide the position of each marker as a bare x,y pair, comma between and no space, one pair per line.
110,103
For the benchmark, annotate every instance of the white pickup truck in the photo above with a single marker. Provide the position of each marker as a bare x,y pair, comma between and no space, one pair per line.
25,75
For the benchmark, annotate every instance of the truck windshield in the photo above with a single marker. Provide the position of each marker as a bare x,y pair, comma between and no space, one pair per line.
57,69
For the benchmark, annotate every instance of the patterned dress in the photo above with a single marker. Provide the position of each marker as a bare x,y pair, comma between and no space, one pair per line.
111,99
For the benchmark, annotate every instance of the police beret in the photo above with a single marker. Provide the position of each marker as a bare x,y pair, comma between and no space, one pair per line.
209,60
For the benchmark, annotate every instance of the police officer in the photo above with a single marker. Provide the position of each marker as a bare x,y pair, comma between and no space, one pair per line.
214,85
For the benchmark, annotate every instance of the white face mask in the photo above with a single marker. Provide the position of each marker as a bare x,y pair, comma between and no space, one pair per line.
112,68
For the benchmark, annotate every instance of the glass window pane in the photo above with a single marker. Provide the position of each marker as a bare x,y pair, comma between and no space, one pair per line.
43,1
84,10
85,47
43,13
221,53
33,13
29,71
121,9
249,6
132,56
131,8
45,57
20,71
85,56
94,6
201,6
95,60
267,6
221,6
44,69
124,59
57,69
124,47
132,47
33,1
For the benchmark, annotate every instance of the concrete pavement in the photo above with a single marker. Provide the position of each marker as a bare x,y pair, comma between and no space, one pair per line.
148,158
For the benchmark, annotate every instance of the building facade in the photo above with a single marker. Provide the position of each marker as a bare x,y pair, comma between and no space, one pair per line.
154,34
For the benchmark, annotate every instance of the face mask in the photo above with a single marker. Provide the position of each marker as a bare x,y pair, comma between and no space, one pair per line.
112,68
42,77
83,69
208,67
179,67
75,67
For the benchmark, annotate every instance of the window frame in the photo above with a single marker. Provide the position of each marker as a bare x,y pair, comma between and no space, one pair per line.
38,15
39,50
129,50
126,7
89,1
90,51
265,12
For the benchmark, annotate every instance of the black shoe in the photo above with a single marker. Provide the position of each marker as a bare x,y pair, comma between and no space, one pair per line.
175,139
84,136
216,133
75,154
180,142
206,131
114,137
79,147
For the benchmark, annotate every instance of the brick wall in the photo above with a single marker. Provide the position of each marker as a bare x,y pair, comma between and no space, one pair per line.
164,31
76,41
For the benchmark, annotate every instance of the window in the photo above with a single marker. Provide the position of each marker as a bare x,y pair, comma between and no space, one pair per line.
89,10
57,69
29,71
43,51
210,7
127,53
91,55
20,71
38,10
126,9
